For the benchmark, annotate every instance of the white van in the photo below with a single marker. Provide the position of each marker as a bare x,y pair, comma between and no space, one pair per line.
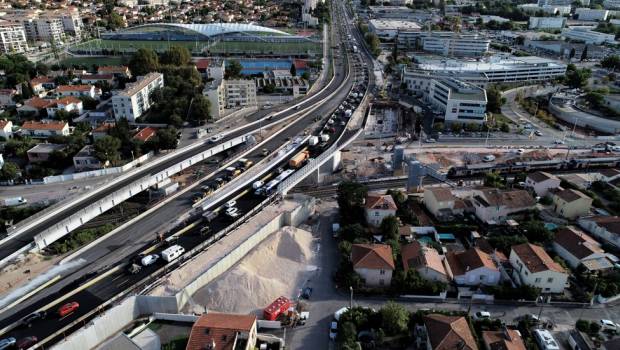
171,253
231,204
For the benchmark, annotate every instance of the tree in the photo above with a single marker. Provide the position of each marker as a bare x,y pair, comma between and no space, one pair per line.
88,102
595,99
611,62
394,318
584,53
493,180
233,69
494,100
167,138
293,70
305,75
10,171
536,232
504,127
115,21
176,56
143,61
351,197
571,54
200,110
577,78
352,232
389,227
107,149
373,43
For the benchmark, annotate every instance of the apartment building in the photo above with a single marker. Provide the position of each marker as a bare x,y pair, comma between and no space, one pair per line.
586,14
132,102
230,94
588,36
453,44
498,68
12,38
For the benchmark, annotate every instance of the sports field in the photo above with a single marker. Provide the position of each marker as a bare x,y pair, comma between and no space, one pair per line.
223,47
89,61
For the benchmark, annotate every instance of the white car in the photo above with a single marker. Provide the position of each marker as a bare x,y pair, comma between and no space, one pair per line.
482,315
608,325
558,142
488,158
231,204
215,138
149,259
232,212
333,330
538,133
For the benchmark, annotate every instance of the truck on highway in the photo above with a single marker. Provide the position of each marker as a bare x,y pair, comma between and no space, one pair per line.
298,159
209,215
13,201
245,163
324,137
313,140
257,184
232,172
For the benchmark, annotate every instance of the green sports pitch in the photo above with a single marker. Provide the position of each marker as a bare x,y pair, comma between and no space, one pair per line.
99,46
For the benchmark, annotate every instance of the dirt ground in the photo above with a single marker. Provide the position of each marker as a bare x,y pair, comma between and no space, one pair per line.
277,267
20,273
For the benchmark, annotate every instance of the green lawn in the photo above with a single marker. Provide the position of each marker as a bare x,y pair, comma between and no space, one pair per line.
89,61
228,47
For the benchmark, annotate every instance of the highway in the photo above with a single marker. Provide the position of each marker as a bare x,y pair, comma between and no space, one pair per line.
26,237
104,276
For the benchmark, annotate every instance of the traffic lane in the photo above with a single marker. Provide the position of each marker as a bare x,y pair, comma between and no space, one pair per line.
12,245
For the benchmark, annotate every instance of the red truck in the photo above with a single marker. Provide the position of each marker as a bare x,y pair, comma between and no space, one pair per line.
277,307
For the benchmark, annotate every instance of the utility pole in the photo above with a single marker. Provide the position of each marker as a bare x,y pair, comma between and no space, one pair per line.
351,298
542,304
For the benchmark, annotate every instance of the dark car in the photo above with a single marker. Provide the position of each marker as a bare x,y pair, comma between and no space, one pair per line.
27,342
33,317
306,293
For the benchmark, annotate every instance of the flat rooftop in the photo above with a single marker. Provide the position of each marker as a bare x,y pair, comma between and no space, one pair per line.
495,63
389,24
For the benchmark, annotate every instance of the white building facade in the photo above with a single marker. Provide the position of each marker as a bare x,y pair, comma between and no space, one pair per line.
586,14
461,102
132,102
588,36
547,22
12,38
451,44
534,267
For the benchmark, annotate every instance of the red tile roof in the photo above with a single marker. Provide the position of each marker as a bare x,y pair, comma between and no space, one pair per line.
610,223
68,100
300,64
74,87
471,259
47,125
535,258
39,103
414,255
372,256
41,80
145,134
218,329
507,339
104,127
202,64
449,333
384,202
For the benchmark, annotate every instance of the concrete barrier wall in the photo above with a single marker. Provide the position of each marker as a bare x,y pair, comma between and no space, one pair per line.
74,221
100,172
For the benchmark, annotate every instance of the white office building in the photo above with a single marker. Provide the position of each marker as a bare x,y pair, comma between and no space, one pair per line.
547,22
418,81
499,68
72,23
546,9
561,2
230,95
132,102
12,38
49,29
588,36
586,14
388,29
459,101
453,44
611,4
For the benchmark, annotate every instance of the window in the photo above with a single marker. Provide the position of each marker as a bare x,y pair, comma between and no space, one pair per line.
482,277
537,280
550,280
382,272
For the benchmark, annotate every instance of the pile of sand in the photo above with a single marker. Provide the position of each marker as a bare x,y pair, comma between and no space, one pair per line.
278,266
22,271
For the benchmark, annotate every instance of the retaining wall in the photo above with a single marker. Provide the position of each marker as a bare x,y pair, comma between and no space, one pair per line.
72,222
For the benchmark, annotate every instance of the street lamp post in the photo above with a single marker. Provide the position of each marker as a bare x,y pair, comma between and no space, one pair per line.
351,298
542,304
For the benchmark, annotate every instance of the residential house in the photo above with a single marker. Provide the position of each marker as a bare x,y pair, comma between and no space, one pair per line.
68,104
116,71
34,106
85,159
571,203
42,152
101,131
581,181
493,206
211,69
442,203
577,248
441,332
40,84
606,228
45,128
609,174
92,79
473,267
6,129
541,182
145,134
425,260
504,339
374,263
223,332
534,267
78,90
6,97
377,207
